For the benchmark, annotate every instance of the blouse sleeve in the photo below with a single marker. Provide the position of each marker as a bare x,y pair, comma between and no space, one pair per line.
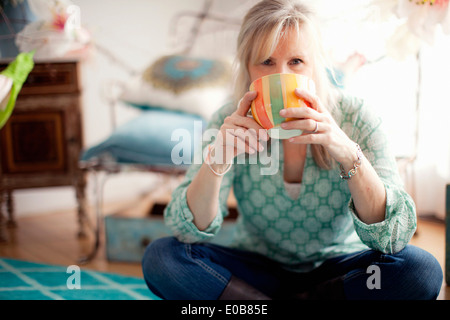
395,231
178,216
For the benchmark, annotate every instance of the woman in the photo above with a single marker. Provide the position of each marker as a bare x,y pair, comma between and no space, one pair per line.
333,222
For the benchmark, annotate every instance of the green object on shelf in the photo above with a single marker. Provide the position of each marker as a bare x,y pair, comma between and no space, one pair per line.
17,71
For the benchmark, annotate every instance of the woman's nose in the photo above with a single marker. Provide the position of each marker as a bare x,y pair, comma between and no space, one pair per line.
282,69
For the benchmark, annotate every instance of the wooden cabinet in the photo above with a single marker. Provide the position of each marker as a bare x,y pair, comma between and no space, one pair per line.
41,143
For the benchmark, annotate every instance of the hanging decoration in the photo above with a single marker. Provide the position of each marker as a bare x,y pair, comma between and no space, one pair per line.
420,20
57,31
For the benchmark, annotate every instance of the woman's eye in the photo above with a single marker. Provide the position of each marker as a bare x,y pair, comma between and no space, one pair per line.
296,61
267,62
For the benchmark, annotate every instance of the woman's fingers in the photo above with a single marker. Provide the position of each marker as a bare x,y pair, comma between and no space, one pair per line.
241,138
249,124
315,122
310,98
314,119
240,119
245,103
246,130
307,125
247,138
302,112
241,133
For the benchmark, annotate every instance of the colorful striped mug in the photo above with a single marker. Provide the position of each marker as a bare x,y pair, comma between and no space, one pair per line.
275,92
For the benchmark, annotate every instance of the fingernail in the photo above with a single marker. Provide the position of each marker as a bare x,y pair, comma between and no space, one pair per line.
282,112
260,147
251,150
264,135
284,125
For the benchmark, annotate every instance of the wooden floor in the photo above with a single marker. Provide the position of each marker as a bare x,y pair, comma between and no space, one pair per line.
52,238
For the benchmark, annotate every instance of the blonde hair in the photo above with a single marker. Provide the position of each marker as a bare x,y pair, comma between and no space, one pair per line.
263,26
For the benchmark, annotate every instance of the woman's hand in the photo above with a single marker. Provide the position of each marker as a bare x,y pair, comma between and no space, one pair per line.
239,133
319,127
367,189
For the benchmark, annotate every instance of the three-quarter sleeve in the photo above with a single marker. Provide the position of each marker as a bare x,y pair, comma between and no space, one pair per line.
178,216
395,231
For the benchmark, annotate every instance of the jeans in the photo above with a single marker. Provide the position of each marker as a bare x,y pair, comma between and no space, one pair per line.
180,271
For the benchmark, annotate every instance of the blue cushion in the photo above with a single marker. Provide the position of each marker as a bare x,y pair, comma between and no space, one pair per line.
147,139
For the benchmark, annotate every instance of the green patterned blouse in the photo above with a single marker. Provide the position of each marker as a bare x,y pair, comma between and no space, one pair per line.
321,222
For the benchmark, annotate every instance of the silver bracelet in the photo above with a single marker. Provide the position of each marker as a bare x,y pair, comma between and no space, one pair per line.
208,162
356,165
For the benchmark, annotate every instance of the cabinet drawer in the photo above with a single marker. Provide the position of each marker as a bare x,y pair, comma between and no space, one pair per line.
50,78
47,78
33,142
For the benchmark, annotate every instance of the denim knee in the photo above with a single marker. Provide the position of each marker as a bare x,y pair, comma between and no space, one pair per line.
173,270
422,272
410,274
158,255
158,260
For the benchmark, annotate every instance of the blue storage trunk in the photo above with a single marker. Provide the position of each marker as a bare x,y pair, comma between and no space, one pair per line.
128,236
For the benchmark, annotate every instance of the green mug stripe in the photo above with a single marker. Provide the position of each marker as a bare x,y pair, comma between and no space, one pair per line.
276,99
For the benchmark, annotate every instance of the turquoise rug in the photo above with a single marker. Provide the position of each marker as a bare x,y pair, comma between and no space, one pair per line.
22,280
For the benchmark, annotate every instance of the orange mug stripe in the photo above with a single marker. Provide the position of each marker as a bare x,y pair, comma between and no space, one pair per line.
267,99
254,113
260,109
291,99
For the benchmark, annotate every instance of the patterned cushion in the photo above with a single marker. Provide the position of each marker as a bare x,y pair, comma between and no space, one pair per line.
175,82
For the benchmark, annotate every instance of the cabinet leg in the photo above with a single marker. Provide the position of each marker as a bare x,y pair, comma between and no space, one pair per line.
11,223
99,184
2,219
80,187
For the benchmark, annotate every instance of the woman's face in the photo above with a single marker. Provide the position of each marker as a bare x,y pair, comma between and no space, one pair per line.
290,56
